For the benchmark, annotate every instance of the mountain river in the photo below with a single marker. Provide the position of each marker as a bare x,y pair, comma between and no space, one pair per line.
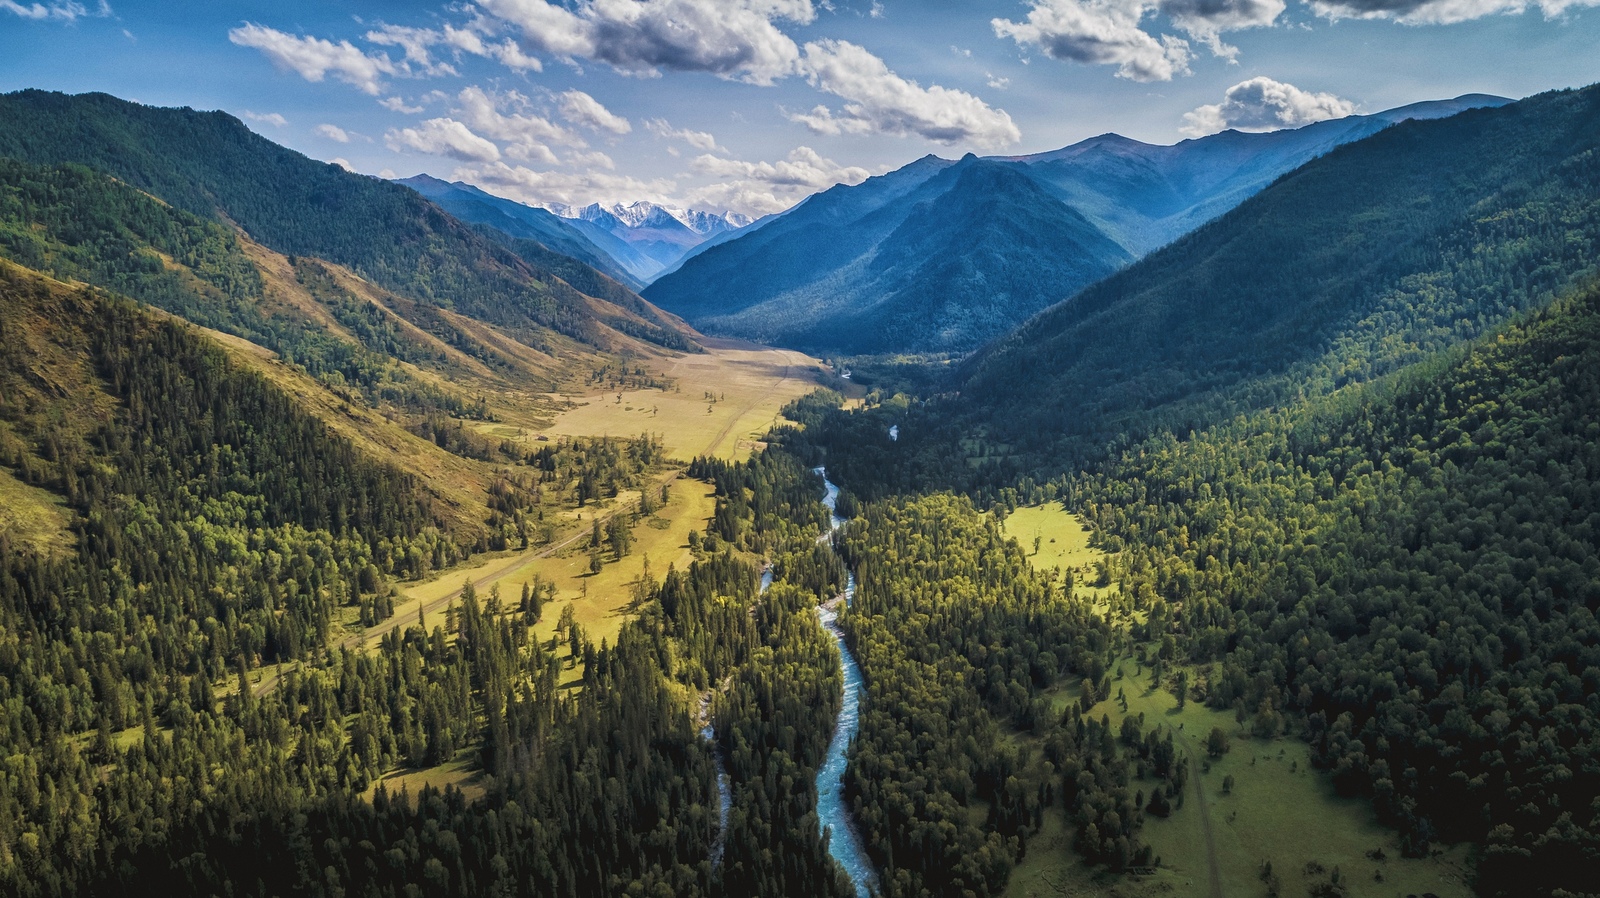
833,814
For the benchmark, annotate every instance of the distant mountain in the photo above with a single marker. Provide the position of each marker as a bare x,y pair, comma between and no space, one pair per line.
659,235
942,273
1145,196
831,275
579,239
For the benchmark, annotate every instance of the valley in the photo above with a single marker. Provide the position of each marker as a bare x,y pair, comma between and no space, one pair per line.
1216,519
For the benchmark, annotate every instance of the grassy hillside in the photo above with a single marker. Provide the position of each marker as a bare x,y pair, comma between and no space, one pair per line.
211,165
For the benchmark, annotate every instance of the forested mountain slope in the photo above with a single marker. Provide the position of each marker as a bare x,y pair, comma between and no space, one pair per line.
220,528
211,165
1360,262
1411,566
1341,446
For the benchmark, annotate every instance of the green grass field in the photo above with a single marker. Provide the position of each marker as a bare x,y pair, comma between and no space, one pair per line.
1280,808
749,385
1063,544
33,517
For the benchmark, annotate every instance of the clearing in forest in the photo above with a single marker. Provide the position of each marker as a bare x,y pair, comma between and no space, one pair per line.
720,402
1278,809
1055,539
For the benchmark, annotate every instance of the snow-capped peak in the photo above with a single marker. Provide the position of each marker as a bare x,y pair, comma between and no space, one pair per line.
647,215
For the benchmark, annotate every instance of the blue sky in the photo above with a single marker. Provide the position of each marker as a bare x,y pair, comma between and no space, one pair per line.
751,105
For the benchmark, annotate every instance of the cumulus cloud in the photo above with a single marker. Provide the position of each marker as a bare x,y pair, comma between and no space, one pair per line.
443,137
395,104
877,101
700,140
417,44
1262,104
731,38
1099,32
760,188
62,12
266,118
508,118
1206,20
591,159
574,188
342,163
314,58
1114,32
579,108
333,132
1440,12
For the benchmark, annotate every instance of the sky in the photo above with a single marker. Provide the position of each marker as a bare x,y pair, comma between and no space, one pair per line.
752,105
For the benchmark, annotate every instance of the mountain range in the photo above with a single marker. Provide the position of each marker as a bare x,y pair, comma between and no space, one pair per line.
1325,437
942,255
633,244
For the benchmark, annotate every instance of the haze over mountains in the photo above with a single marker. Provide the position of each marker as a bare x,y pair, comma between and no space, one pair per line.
633,243
941,255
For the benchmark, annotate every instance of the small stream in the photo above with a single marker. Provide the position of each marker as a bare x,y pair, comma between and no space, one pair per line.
724,785
832,811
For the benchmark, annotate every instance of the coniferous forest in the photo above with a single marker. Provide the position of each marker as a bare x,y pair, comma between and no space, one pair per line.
1347,504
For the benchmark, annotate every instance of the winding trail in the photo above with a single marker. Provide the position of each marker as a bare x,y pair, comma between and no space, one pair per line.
1214,871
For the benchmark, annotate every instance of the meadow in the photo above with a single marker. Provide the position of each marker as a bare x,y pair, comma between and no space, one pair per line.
1278,809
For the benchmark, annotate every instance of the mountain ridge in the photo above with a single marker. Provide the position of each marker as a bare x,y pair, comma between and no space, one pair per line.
768,283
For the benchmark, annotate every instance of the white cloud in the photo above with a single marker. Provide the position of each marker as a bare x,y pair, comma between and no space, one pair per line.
526,136
877,101
266,118
314,58
443,137
591,159
1440,12
760,188
731,38
1100,32
395,104
333,132
579,108
700,140
1206,20
342,163
996,81
1262,104
573,188
417,43
59,11
877,9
